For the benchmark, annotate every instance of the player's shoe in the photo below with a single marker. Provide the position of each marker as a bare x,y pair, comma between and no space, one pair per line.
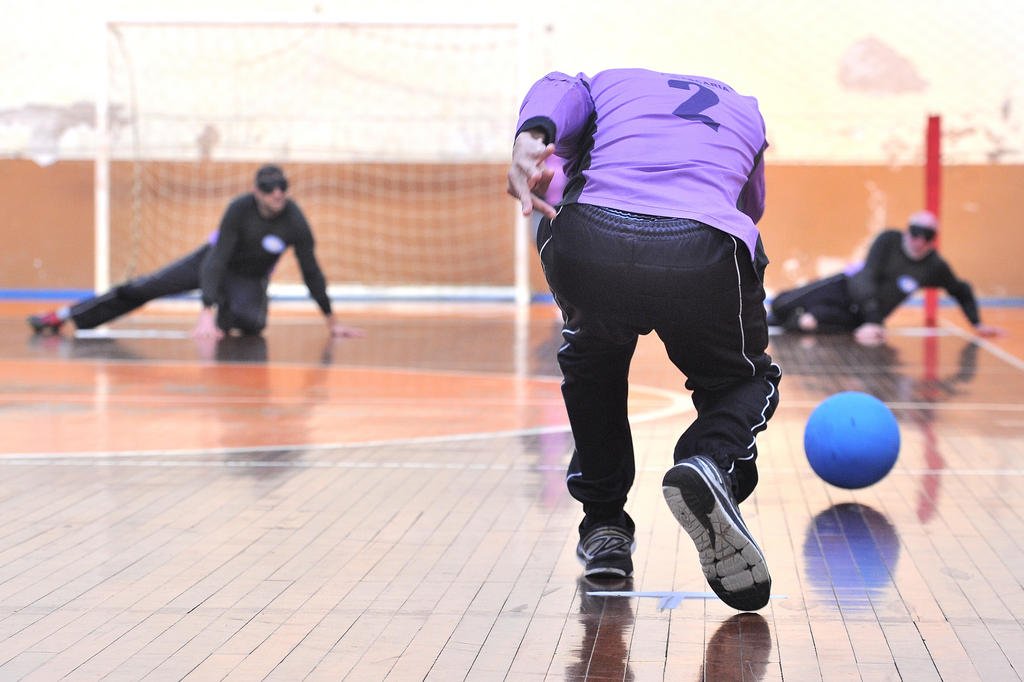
45,322
702,501
606,552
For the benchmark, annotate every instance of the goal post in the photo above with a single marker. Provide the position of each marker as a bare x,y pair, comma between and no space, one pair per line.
933,199
395,138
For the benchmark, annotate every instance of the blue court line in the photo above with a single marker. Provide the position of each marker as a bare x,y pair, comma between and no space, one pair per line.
15,295
948,302
43,294
63,295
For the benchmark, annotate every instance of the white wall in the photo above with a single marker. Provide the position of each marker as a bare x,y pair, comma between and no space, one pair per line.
837,81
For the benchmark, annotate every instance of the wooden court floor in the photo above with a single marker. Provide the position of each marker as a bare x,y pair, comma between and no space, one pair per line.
393,508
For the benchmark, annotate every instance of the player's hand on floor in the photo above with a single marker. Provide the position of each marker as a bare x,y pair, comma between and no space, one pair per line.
206,326
870,334
989,331
340,331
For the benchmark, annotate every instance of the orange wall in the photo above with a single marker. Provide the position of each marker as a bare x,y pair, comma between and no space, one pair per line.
818,218
46,223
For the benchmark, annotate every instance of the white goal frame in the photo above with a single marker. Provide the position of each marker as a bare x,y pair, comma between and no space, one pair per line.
520,290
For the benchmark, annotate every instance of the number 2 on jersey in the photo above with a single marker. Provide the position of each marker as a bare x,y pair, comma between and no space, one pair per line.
691,109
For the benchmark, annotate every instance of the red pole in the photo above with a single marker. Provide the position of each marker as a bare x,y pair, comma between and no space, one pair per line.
932,201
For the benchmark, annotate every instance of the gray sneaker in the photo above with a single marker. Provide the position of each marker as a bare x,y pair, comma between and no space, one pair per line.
702,501
606,552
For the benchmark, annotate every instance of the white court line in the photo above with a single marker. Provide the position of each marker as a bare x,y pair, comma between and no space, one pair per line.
667,600
995,350
188,399
246,366
115,461
304,447
678,404
75,460
131,334
950,329
363,403
898,471
934,407
918,331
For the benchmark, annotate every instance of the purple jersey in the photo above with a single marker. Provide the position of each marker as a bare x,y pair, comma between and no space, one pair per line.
656,143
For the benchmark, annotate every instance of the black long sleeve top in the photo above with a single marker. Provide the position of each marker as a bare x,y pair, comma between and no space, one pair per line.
249,244
889,276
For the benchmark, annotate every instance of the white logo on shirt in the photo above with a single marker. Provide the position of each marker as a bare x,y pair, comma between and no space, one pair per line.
907,284
273,244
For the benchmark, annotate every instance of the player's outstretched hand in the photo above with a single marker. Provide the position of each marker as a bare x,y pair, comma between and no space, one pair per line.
529,176
206,326
989,331
340,331
869,334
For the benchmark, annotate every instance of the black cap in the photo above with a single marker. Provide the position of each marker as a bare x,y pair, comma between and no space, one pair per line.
269,174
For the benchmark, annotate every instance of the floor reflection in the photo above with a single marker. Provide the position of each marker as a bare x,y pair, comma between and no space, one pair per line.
740,649
888,371
850,556
607,627
419,340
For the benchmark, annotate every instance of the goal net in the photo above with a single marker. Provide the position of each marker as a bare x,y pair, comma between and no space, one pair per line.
395,139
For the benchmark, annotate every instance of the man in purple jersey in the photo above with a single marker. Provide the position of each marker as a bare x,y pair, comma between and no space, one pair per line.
657,231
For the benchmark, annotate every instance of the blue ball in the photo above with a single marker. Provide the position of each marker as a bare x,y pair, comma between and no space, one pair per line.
852,440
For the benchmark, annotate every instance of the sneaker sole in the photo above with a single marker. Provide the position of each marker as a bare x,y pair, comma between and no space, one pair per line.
607,572
733,564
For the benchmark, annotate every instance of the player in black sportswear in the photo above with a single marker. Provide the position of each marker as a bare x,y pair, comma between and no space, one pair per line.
898,264
232,270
